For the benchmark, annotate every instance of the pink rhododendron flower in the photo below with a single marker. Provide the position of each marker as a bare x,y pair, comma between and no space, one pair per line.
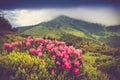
33,51
78,52
39,54
58,63
76,62
14,44
68,65
48,41
50,46
6,45
59,54
61,48
55,49
57,42
62,43
76,71
53,71
28,44
29,37
66,56
71,47
69,51
39,49
54,57
41,40
10,46
64,60
63,66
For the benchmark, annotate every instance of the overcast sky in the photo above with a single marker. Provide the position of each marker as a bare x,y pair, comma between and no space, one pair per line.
31,12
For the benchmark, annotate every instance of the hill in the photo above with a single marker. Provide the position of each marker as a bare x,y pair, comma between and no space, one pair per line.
63,25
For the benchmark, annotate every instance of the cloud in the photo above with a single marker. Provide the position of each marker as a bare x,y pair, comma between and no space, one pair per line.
25,17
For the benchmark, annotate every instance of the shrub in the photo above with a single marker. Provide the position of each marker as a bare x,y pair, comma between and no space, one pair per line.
22,66
47,59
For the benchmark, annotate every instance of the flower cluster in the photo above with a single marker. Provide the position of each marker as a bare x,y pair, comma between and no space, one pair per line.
65,57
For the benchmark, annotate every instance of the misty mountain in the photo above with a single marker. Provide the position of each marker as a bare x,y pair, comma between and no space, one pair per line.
115,28
63,25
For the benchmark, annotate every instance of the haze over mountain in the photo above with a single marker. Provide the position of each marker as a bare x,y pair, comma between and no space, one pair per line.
64,25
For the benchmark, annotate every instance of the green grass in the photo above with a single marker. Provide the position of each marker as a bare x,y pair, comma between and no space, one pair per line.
91,68
73,31
40,31
23,66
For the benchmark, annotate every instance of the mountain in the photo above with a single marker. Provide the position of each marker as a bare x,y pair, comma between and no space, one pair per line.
64,25
113,28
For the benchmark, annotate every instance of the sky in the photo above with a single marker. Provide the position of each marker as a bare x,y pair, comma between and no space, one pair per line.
31,12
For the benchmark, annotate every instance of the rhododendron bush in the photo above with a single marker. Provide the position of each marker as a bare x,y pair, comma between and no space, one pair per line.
67,59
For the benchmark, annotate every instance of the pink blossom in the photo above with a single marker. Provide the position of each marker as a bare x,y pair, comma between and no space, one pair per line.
48,41
61,48
62,43
28,44
53,71
30,37
63,66
68,65
64,60
58,63
69,51
57,42
66,56
76,71
52,50
76,62
55,49
77,52
10,47
63,52
39,54
54,57
39,49
6,45
41,40
71,47
33,51
50,46
14,44
59,54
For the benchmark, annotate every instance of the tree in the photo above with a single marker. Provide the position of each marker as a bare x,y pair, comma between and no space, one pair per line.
4,24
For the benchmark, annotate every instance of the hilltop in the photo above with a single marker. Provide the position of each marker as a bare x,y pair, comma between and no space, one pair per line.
64,25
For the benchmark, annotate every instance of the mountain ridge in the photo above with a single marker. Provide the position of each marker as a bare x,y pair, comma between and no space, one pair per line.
63,25
70,22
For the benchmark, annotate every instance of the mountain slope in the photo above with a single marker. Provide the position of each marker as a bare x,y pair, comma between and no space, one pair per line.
63,25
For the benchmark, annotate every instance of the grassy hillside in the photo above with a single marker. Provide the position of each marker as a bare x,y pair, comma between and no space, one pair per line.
100,61
64,25
31,58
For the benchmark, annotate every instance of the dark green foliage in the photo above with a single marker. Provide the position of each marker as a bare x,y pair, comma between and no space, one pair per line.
113,28
113,41
4,24
71,40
